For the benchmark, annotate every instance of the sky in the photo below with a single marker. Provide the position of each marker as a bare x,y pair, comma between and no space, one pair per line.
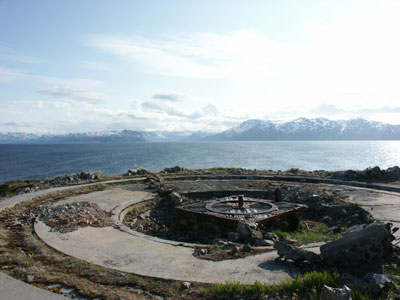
97,65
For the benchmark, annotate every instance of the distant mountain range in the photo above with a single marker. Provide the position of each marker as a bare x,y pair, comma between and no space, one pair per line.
302,129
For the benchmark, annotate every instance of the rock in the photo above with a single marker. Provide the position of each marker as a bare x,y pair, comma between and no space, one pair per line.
203,251
248,231
233,236
327,220
330,293
378,281
289,241
353,282
270,236
296,254
246,248
234,250
30,278
363,245
266,243
175,169
244,230
186,285
220,242
175,198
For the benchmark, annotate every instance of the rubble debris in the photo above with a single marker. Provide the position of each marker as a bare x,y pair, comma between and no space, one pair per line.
222,250
248,231
296,254
175,169
330,293
365,244
58,181
136,171
69,217
353,282
175,199
375,173
378,281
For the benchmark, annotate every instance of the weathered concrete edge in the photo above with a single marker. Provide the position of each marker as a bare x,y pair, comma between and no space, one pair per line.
369,185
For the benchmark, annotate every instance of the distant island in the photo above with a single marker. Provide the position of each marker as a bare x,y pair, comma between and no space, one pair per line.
302,129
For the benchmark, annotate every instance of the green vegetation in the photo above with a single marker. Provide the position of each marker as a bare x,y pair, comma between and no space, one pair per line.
8,189
308,285
309,232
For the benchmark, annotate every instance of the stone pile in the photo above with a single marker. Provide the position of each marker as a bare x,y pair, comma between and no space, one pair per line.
175,169
296,254
69,217
375,173
139,171
59,181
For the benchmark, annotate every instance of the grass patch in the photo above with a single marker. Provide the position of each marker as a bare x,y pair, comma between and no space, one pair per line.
308,285
309,232
8,189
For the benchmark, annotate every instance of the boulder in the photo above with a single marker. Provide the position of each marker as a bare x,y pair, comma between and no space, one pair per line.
233,236
296,254
270,236
365,244
330,293
175,199
175,169
248,231
378,281
266,243
353,282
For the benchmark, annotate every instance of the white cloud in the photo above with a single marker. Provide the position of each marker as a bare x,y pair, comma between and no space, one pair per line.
8,75
169,96
73,94
239,56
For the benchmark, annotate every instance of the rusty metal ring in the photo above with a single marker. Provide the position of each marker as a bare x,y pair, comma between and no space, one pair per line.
209,207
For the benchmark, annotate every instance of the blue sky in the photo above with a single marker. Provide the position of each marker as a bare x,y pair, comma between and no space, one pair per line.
77,66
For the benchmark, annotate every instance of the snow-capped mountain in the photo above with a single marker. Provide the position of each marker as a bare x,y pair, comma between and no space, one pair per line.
100,137
309,129
319,129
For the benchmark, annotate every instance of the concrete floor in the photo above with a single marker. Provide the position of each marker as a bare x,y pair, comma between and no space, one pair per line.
130,251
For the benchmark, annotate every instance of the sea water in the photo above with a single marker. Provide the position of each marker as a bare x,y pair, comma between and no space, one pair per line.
27,161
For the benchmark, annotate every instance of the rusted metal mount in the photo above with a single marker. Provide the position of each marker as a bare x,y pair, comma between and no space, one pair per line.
266,207
225,218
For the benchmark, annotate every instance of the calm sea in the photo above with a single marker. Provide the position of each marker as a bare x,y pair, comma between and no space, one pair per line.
41,161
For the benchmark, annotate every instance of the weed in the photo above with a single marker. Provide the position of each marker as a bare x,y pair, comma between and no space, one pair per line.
306,234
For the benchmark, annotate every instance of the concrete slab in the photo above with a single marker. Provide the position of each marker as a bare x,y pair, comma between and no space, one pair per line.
13,289
130,251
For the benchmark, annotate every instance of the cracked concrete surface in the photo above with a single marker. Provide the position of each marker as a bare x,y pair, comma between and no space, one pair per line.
130,251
